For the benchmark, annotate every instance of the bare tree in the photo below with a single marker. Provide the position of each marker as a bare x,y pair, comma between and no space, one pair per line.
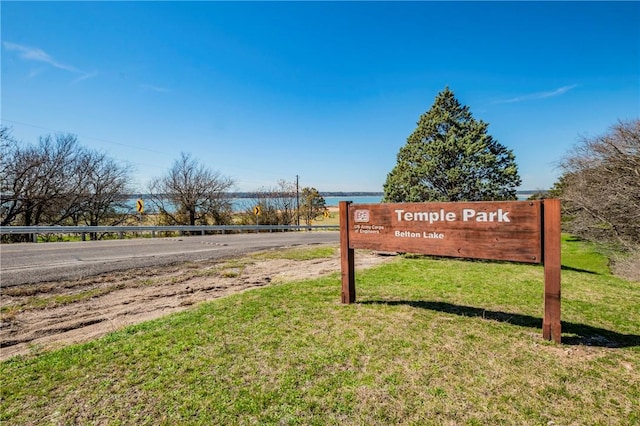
41,183
600,186
6,140
191,194
9,206
105,184
312,205
277,205
58,181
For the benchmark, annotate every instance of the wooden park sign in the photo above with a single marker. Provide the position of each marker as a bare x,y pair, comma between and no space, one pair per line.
517,231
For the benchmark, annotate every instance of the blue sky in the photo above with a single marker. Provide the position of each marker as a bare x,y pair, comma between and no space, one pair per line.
328,91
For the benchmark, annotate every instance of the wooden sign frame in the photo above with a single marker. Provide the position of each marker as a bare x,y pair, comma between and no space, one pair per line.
517,231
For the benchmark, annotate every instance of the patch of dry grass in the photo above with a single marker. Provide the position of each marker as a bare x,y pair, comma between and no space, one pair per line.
627,266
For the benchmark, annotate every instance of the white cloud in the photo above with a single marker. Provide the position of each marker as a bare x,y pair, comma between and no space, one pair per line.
154,88
34,73
85,76
539,95
39,55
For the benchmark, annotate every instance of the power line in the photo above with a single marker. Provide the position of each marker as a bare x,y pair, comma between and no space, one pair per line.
84,137
239,167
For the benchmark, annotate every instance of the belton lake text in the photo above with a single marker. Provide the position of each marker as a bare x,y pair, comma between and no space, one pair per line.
424,234
377,229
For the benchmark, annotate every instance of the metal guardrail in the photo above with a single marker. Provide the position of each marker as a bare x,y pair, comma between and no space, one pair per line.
34,231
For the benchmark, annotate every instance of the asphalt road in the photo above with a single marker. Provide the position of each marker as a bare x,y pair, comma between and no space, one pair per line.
29,263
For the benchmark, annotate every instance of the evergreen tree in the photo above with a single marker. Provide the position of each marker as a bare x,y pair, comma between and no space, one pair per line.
450,157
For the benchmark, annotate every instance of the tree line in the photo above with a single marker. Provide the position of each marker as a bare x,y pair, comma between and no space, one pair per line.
57,181
600,187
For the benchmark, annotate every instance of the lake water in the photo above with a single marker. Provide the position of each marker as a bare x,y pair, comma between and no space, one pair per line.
240,204
360,199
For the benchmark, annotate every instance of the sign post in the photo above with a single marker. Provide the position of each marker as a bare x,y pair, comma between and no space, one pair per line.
551,328
347,256
516,231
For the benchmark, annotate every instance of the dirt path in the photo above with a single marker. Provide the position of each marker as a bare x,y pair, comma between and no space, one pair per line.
51,315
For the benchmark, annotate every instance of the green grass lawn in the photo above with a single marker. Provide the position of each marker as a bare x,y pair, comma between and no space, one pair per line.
430,341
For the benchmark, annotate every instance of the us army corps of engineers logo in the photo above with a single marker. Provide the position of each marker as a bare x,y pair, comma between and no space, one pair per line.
361,216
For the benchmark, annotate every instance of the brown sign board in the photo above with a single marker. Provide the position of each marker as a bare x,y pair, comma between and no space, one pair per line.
481,230
518,231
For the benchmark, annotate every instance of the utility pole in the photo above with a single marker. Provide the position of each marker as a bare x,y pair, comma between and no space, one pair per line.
297,202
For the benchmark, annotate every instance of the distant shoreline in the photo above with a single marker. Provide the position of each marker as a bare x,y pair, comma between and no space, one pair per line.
323,194
242,201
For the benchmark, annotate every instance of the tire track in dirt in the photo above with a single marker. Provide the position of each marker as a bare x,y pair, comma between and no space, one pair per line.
51,315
